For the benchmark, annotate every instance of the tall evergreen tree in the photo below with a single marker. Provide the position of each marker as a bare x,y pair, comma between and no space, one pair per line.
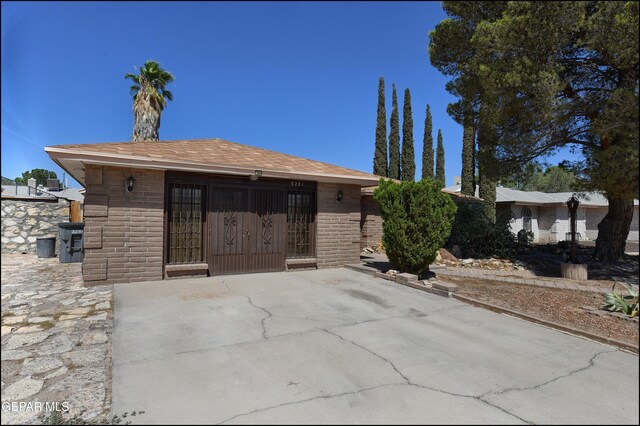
440,161
408,155
394,138
487,180
468,186
427,146
380,165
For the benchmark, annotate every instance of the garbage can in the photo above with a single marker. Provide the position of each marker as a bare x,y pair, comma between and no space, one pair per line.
46,246
71,236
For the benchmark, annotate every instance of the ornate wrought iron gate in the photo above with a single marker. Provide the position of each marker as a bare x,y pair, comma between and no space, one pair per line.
251,226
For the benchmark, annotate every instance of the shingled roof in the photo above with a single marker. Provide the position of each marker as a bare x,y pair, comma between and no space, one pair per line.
202,155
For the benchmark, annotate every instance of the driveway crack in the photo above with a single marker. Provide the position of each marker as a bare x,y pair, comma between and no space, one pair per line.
284,404
410,383
262,322
571,373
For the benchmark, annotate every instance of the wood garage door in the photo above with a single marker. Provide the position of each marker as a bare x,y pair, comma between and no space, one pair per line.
246,229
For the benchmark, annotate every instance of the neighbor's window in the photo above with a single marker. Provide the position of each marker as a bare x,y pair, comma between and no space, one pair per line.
186,204
526,219
300,219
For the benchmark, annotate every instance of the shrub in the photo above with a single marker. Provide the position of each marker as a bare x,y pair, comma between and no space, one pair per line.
417,221
477,236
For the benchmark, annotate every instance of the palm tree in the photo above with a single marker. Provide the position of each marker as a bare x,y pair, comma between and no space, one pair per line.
149,99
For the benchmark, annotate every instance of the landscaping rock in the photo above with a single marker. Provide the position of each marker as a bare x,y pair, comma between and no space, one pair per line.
39,365
21,389
446,255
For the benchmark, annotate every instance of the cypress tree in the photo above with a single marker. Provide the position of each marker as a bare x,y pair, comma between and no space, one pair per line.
394,138
380,166
427,147
486,180
468,186
408,156
440,161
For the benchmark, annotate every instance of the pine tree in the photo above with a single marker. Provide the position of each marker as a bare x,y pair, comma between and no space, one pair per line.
380,166
440,161
468,154
408,155
394,138
427,147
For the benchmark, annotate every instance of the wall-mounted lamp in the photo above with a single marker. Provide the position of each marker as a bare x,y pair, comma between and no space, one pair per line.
254,177
340,195
130,182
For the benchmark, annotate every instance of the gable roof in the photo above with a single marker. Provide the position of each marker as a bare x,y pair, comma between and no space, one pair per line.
202,155
508,195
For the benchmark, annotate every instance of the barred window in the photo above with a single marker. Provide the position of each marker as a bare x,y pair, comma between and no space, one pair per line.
300,220
186,212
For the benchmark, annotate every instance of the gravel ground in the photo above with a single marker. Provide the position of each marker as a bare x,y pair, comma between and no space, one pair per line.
560,306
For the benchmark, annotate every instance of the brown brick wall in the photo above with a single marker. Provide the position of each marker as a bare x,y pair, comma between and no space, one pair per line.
370,222
123,232
338,225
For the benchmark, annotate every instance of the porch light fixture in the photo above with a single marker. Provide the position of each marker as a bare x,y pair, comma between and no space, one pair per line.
340,195
130,182
254,177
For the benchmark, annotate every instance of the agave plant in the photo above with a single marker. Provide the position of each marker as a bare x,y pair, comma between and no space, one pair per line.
627,304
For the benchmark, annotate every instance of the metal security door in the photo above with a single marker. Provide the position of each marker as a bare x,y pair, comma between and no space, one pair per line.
247,230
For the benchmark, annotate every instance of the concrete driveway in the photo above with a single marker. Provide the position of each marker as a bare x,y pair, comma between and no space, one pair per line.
338,346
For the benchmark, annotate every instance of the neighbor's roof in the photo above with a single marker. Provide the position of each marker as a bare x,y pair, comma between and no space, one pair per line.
202,155
23,191
508,195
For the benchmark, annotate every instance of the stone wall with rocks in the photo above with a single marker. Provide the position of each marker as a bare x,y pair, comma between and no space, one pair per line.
24,220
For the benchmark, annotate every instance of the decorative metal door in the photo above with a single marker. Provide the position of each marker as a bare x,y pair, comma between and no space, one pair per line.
247,230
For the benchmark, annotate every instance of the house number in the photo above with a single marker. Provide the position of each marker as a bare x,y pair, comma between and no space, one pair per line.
294,183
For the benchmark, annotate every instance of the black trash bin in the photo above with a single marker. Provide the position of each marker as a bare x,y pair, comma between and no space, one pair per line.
46,246
71,236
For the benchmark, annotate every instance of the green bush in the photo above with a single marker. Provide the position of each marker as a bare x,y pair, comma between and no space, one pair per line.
476,236
417,221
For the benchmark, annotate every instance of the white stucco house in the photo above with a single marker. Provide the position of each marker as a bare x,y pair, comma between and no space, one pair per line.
547,214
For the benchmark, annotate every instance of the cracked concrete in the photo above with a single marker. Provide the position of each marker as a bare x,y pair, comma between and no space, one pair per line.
320,347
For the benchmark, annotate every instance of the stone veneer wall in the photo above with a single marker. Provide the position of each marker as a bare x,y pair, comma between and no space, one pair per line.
123,234
25,220
338,225
370,222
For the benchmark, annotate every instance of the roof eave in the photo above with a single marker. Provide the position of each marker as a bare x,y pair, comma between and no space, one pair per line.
62,156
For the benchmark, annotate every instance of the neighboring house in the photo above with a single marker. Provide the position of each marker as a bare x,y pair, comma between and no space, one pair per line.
30,212
546,215
157,210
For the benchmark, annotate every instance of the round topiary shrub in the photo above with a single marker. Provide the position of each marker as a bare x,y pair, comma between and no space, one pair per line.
417,221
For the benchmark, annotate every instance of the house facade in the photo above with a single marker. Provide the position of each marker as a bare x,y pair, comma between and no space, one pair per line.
546,215
156,210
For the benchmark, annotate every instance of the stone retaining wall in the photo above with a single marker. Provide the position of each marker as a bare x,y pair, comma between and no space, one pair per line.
25,220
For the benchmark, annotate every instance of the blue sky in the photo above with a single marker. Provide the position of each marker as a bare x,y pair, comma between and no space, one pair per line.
299,78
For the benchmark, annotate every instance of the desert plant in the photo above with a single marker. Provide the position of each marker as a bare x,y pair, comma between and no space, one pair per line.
627,304
417,221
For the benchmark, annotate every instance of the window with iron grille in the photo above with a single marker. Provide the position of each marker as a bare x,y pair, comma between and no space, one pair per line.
301,210
186,212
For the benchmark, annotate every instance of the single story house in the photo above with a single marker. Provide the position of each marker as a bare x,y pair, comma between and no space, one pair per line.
546,215
164,209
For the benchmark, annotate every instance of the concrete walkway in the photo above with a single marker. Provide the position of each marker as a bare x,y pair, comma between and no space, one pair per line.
338,346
